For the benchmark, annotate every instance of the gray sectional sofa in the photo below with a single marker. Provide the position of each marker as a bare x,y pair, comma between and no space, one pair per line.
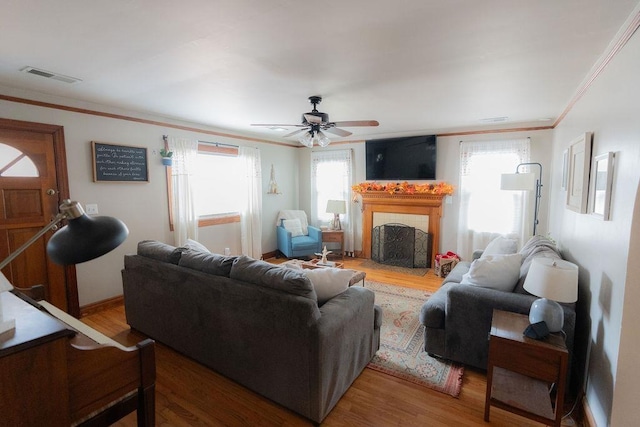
457,318
256,323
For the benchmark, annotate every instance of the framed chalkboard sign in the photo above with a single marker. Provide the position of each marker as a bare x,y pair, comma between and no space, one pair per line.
113,162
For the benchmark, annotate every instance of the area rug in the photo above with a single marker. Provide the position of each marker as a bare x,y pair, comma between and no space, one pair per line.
401,352
377,266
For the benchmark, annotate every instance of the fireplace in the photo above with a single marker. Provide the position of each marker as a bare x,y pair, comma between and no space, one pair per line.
419,204
400,245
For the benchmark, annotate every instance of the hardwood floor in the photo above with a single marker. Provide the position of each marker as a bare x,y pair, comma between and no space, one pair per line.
188,394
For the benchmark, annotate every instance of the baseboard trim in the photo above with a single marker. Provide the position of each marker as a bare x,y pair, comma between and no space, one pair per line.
99,306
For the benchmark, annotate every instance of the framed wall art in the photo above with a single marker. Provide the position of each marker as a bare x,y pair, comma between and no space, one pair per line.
114,163
578,177
565,169
601,185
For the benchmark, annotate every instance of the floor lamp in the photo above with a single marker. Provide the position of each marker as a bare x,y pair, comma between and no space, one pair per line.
82,239
525,182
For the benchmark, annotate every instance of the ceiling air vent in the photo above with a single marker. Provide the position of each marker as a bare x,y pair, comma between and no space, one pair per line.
49,75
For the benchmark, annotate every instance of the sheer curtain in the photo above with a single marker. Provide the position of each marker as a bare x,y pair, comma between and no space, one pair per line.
485,210
251,214
185,219
331,179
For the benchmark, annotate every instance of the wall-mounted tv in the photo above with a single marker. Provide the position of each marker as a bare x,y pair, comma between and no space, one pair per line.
407,158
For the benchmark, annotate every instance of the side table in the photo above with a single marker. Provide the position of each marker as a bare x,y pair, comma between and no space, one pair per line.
521,370
334,236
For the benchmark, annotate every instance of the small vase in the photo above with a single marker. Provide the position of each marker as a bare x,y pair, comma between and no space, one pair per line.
167,161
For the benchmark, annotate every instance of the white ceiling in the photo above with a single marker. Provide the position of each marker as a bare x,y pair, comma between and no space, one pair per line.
416,66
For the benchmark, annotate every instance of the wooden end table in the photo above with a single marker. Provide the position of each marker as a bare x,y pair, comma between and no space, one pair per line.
334,236
520,370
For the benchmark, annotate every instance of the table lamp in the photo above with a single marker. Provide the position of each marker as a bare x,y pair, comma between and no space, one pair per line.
336,207
82,239
554,281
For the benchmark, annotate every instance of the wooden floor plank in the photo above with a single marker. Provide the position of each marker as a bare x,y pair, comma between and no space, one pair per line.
188,394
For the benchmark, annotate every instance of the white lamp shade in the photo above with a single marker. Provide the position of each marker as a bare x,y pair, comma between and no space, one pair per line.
336,206
518,181
552,279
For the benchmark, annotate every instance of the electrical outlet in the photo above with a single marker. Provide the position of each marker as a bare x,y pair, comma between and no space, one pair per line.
91,209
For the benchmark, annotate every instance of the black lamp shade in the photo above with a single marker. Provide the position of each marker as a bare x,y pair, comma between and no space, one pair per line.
85,238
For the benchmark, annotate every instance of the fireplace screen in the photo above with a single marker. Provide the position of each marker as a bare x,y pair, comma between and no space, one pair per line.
401,245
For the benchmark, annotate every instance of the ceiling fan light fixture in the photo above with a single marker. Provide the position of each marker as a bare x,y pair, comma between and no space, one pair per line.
306,139
323,140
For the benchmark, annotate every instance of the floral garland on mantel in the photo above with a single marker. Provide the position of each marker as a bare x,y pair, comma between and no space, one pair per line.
440,188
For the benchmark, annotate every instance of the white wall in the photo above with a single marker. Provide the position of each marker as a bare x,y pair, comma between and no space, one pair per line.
143,206
608,298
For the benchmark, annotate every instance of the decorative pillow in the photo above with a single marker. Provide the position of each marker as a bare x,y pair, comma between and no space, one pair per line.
501,246
196,246
294,226
328,282
499,272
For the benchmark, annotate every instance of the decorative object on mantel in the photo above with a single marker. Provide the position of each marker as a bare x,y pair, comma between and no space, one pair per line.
336,207
273,185
440,188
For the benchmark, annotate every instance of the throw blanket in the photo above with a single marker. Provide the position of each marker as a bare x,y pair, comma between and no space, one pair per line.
294,214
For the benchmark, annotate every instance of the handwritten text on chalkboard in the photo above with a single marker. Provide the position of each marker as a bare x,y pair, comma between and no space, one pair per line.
119,163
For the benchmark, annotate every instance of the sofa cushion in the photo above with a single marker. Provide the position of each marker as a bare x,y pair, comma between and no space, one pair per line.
159,251
328,282
207,262
272,276
498,272
501,246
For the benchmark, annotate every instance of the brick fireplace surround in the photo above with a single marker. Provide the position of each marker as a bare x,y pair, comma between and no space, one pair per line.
417,204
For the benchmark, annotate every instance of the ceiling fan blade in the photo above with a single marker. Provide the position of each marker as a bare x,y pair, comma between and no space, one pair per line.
274,125
295,132
339,132
357,123
313,119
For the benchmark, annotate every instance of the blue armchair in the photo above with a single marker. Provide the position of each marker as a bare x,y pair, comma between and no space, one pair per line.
299,246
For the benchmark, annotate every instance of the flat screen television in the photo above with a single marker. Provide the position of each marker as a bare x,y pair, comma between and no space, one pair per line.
407,158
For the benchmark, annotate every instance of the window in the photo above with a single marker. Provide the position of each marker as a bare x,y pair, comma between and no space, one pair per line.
214,177
485,210
216,200
14,163
331,179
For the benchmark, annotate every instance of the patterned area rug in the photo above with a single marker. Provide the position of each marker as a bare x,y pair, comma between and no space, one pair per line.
377,266
401,351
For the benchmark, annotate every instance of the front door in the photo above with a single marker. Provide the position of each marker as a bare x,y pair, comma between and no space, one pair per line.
32,162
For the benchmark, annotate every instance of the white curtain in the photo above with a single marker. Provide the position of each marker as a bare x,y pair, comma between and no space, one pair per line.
485,210
251,214
331,179
185,219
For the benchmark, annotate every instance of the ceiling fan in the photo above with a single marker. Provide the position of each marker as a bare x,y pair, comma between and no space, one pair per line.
315,122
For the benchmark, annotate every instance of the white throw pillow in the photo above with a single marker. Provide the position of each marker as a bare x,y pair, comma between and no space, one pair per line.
294,226
328,282
499,272
501,246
